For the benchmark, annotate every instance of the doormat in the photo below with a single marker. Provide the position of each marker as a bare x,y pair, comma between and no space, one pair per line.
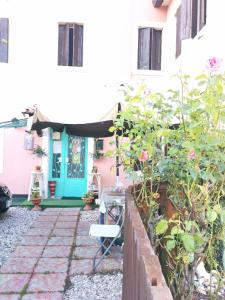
56,203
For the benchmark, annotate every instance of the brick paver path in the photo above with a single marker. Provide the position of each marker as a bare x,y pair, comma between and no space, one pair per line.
55,247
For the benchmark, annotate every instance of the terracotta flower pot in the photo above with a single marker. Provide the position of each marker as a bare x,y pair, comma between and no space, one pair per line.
36,202
88,202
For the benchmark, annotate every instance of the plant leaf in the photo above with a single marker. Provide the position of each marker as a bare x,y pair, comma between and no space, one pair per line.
211,216
170,245
161,227
189,243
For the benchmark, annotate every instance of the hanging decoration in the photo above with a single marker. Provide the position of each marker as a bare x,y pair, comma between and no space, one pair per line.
28,141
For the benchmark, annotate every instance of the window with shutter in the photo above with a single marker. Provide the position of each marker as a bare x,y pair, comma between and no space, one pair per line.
178,32
70,45
4,33
193,17
149,48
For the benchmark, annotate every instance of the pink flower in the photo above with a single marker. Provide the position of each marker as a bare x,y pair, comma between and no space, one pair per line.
213,63
143,156
191,155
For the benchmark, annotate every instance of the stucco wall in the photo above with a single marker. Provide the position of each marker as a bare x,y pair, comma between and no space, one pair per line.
17,162
109,58
107,167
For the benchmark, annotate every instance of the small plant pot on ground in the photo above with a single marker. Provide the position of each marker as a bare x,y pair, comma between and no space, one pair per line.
36,202
88,203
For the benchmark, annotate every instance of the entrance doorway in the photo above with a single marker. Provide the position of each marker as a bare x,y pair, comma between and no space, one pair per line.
68,164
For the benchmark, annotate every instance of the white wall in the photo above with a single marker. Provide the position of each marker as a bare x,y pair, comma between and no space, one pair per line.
110,50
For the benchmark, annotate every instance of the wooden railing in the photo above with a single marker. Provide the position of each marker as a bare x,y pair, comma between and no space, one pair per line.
142,274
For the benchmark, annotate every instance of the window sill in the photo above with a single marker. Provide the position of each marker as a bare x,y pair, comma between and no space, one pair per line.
72,69
148,72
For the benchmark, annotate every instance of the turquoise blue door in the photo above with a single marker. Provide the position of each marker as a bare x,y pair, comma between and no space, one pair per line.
68,164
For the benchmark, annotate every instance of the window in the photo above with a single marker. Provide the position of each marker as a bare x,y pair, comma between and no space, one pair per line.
149,48
70,45
193,17
4,33
178,32
198,16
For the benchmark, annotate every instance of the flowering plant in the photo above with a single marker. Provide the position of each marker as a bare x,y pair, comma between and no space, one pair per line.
179,138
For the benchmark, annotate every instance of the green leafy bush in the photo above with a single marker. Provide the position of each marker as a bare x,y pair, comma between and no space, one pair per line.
178,138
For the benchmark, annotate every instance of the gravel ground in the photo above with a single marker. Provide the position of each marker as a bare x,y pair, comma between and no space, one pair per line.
95,287
90,216
13,224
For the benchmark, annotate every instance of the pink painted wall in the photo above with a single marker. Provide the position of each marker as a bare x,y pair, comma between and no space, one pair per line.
106,166
17,162
158,14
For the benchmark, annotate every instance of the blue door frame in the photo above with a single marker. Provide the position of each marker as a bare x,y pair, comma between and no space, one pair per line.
68,157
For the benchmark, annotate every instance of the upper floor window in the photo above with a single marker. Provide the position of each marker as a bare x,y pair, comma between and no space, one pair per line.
198,16
70,45
4,33
149,48
193,17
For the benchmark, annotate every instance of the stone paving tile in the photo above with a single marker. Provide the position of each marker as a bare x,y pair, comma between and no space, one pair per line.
19,265
56,251
67,219
63,232
38,224
13,283
71,209
30,240
60,241
47,218
84,252
68,225
53,282
51,265
54,209
70,213
39,231
110,264
86,241
81,266
28,251
43,296
10,297
84,225
50,213
83,231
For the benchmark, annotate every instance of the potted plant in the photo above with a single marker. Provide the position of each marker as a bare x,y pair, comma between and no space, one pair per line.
88,199
39,151
36,200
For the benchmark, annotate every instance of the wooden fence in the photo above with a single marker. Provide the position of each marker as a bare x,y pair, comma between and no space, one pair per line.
143,278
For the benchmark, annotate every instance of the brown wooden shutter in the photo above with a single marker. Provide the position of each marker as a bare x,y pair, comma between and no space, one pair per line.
202,14
178,32
186,14
63,47
78,45
194,19
156,45
144,41
4,34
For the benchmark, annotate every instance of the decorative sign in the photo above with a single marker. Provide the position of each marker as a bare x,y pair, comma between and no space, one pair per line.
28,141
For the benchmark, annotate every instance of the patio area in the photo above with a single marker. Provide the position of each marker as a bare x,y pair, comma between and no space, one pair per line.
54,253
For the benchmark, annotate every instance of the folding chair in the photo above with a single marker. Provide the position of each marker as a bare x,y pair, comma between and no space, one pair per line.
109,236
